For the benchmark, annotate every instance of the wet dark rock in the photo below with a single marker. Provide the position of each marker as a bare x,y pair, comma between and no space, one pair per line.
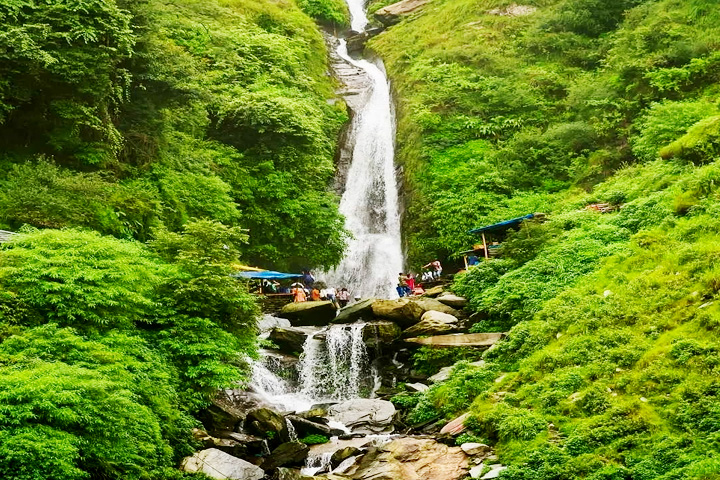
379,333
289,453
228,409
290,340
309,313
305,427
269,424
356,311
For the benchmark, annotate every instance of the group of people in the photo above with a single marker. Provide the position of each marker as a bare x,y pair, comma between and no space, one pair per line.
318,292
407,284
311,290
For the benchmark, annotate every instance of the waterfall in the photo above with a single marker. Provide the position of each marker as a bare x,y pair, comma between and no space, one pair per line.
334,367
370,199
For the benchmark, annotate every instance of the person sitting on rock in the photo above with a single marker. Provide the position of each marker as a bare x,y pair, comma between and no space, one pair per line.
402,285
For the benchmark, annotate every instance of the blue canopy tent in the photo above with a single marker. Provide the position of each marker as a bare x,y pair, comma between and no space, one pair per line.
266,275
500,227
503,225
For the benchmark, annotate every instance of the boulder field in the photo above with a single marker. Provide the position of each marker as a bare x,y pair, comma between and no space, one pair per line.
246,438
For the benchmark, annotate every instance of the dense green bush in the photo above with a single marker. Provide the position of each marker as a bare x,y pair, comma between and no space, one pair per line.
101,336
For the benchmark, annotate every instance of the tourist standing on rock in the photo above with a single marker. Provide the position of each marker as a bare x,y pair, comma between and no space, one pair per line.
436,268
410,283
308,279
343,297
330,294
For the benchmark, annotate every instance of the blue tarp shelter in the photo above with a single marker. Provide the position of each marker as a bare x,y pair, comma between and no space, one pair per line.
503,225
266,275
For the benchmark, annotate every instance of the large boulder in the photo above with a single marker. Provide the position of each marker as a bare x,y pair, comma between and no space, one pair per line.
453,301
413,459
217,464
392,14
365,415
309,313
305,427
427,304
361,310
289,453
434,291
267,322
228,409
403,311
380,333
290,340
480,340
268,423
432,323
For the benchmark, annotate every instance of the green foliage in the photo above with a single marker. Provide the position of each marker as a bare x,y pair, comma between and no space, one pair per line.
80,279
62,76
608,368
154,113
329,11
665,122
315,439
101,336
700,144
429,360
65,398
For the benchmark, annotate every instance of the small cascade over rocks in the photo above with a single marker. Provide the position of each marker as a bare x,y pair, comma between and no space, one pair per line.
333,367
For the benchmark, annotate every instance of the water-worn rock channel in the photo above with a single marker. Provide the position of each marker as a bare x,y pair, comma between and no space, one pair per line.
318,402
333,382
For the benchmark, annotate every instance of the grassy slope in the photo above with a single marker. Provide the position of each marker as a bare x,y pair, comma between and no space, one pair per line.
610,369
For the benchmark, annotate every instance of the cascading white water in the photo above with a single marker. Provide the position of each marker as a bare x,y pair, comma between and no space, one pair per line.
333,367
370,199
334,370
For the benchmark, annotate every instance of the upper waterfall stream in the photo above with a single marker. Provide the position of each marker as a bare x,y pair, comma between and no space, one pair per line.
370,196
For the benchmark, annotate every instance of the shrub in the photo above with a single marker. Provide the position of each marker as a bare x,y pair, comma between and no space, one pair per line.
315,439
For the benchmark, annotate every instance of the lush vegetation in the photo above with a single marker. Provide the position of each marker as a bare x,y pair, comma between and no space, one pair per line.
125,116
108,348
147,146
610,367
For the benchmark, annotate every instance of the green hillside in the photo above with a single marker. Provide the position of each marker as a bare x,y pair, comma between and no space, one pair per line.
129,116
145,146
610,370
